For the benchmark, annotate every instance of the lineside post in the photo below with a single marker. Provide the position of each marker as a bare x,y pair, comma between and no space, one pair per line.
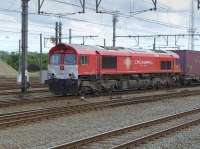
154,43
56,33
114,29
83,40
24,34
19,65
40,56
60,32
70,36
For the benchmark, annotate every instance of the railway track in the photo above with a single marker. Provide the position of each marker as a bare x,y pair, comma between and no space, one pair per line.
18,101
15,86
10,83
42,98
135,135
5,101
17,91
10,119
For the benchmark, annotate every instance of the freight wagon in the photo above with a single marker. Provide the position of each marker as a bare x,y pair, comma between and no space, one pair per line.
190,65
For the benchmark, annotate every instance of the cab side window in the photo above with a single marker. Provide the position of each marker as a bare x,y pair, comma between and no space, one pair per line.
83,60
165,65
109,62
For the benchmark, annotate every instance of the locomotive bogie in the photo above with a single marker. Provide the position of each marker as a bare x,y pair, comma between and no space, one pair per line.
128,82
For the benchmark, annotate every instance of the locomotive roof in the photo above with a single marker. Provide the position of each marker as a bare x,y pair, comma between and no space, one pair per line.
90,49
114,49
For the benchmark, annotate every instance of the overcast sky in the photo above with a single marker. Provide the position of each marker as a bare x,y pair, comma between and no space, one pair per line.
171,17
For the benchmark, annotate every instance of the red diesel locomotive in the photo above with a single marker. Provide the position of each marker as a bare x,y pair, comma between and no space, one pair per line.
81,69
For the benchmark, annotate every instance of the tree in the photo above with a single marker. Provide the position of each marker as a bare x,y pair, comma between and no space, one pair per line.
33,60
33,68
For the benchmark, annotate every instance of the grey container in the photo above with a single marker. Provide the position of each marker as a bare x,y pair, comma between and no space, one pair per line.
190,62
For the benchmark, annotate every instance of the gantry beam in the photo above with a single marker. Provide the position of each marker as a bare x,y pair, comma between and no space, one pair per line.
165,36
98,2
82,2
155,4
41,3
154,8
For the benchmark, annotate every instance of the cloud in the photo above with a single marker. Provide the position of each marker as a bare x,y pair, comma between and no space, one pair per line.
172,18
164,21
175,4
167,13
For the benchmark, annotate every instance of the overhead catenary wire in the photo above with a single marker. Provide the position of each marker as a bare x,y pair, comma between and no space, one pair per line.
127,16
109,25
109,11
106,11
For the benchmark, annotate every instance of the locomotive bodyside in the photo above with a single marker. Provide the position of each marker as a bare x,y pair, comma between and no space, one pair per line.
81,69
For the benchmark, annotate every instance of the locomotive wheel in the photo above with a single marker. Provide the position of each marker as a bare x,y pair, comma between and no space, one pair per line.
157,85
84,90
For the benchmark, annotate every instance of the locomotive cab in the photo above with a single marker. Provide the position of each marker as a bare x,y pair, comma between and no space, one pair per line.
62,70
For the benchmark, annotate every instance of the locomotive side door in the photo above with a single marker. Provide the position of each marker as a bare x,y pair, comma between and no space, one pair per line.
98,65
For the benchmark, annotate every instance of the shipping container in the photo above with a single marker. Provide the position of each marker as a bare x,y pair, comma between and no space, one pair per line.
190,62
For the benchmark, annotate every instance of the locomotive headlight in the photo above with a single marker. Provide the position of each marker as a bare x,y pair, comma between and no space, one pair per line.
51,75
72,76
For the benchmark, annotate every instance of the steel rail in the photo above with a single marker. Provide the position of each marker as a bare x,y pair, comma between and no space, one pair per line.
16,86
38,114
156,135
17,91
